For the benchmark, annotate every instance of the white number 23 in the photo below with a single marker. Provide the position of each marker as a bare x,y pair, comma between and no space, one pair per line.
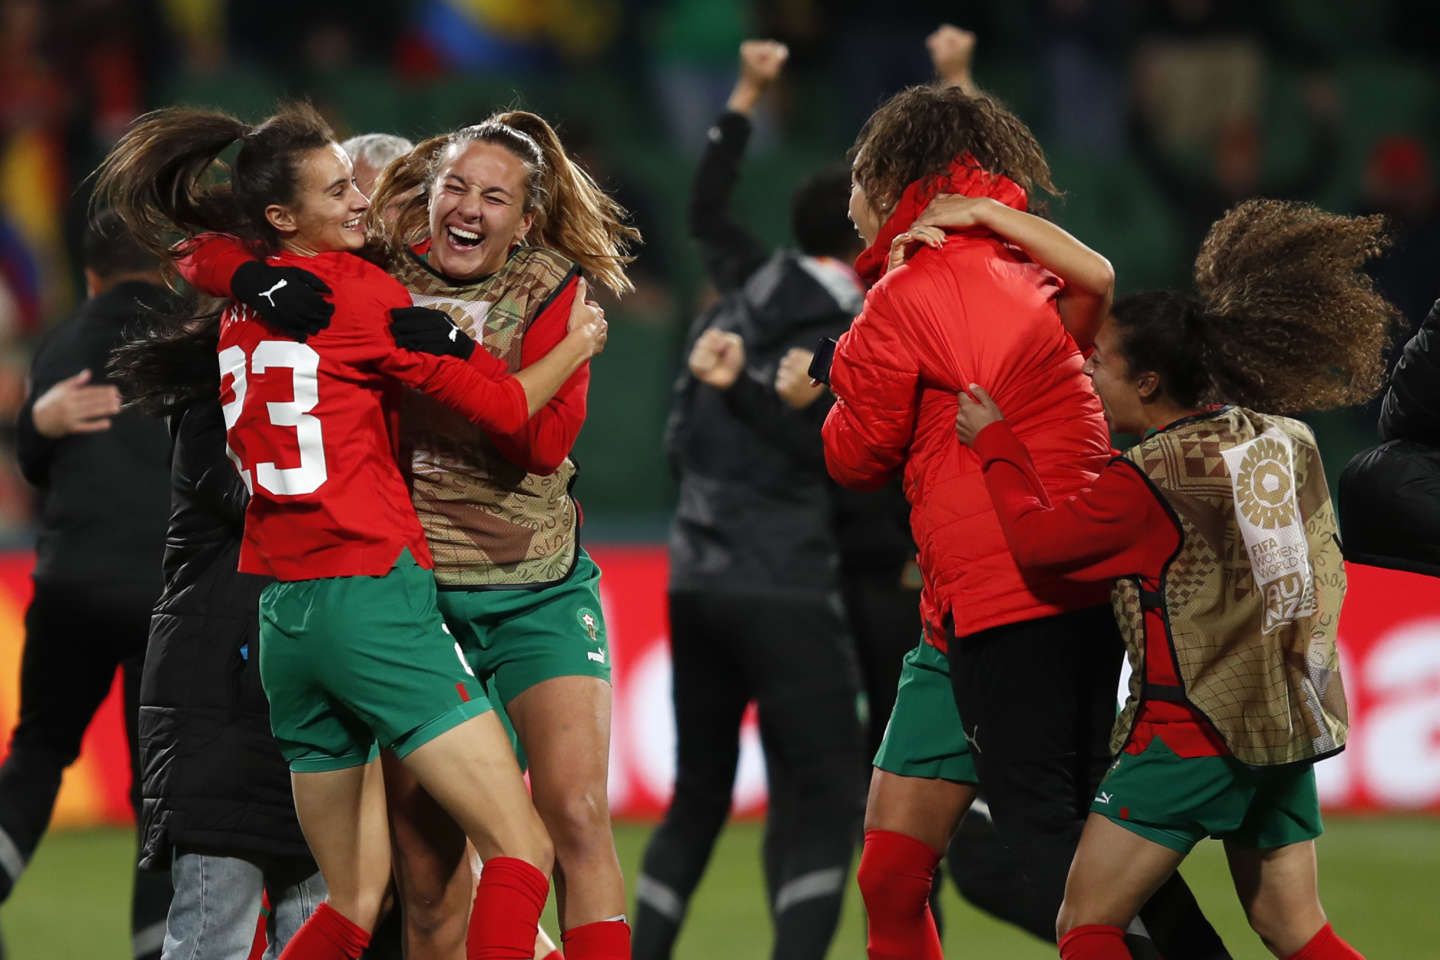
304,365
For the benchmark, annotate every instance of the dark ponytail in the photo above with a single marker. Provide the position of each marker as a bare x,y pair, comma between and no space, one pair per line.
159,178
169,364
154,177
1284,318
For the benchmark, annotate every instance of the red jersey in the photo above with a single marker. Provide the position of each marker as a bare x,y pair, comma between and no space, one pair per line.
310,426
1117,527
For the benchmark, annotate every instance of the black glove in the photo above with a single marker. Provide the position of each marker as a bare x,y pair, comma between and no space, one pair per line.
290,300
429,331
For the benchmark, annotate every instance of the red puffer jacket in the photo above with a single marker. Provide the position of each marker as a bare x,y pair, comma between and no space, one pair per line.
974,311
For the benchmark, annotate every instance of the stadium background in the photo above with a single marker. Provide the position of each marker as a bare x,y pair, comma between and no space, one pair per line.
1144,107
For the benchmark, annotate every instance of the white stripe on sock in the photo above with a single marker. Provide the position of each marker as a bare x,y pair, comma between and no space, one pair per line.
148,941
808,886
11,860
659,898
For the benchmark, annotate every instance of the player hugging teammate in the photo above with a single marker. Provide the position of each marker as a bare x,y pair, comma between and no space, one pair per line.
1218,532
354,653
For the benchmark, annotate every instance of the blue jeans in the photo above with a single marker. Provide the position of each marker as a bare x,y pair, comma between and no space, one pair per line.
217,905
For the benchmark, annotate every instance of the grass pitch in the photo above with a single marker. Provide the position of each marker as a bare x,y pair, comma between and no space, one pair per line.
1380,880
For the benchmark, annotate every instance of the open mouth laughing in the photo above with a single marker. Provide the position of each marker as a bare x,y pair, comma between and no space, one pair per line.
462,239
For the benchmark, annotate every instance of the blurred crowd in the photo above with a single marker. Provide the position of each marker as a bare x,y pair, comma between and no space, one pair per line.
1159,115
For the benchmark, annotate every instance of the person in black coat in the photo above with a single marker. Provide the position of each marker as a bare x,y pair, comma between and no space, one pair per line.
755,611
216,802
102,476
1390,494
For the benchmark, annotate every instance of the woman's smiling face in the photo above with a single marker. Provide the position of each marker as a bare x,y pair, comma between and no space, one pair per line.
477,209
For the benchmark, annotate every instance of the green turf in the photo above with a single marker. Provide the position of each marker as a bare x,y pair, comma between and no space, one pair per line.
1379,878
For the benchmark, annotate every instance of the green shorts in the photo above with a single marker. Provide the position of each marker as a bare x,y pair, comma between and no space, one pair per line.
349,661
514,639
924,737
1179,801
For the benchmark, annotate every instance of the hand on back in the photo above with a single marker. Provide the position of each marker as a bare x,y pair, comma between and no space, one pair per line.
977,411
74,405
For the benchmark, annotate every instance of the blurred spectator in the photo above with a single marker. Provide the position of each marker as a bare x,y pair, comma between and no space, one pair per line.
34,103
371,153
1400,183
1199,68
694,44
875,55
1084,45
103,475
1237,164
653,272
754,605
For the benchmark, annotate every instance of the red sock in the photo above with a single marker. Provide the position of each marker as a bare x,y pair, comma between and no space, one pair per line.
602,940
327,935
1094,942
1327,945
507,909
895,875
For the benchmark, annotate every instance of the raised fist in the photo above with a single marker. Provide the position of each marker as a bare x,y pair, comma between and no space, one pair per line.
952,51
718,358
761,60
792,379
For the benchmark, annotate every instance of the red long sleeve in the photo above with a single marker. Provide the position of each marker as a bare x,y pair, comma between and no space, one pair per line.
210,262
1114,528
546,439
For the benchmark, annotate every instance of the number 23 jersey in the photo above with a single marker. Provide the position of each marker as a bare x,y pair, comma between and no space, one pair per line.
311,427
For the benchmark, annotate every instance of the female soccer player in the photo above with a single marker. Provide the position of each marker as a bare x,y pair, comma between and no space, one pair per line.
498,224
492,224
1036,655
353,647
1219,534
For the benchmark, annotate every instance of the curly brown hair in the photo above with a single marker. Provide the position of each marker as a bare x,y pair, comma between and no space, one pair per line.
921,130
1283,319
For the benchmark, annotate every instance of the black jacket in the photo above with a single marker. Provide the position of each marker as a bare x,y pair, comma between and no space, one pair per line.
1390,494
757,510
103,496
213,778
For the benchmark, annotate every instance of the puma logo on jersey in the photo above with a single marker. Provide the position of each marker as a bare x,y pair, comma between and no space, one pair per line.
597,655
454,332
267,293
974,739
1103,797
